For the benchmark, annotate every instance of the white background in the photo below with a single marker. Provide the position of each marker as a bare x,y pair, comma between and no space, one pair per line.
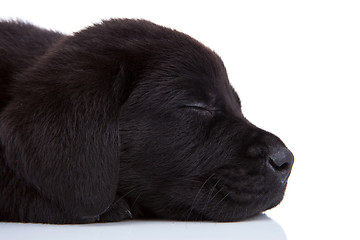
296,68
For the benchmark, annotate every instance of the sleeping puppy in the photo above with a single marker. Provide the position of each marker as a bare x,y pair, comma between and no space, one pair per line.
127,119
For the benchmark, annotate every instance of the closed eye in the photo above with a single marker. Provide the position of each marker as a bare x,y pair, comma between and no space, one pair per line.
199,107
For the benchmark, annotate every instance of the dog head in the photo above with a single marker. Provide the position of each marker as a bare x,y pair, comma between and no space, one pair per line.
187,149
146,112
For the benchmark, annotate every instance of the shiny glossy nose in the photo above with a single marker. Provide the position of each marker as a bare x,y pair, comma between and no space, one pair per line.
281,160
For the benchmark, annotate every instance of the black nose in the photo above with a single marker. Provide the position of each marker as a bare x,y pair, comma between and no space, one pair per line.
281,160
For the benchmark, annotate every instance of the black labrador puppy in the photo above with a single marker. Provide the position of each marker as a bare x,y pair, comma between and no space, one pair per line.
127,119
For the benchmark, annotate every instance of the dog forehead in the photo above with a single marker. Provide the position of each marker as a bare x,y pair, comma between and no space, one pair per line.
205,79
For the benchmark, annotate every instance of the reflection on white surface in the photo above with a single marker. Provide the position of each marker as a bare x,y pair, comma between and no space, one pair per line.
260,227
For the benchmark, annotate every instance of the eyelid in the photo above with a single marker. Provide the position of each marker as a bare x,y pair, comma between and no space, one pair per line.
200,106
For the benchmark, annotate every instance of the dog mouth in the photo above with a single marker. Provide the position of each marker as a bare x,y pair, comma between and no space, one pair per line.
238,200
227,198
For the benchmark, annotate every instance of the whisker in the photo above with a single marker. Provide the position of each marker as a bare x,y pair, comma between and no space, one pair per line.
195,199
222,199
132,206
222,206
216,193
119,199
209,195
127,193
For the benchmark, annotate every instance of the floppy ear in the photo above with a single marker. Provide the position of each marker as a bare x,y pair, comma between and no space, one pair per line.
60,131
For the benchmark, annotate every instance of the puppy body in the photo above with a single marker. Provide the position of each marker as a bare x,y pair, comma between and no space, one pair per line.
126,119
35,199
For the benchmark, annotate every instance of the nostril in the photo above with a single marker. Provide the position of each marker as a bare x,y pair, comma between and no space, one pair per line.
281,159
283,167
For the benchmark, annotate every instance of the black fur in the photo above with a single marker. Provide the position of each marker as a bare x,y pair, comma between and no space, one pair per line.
125,119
